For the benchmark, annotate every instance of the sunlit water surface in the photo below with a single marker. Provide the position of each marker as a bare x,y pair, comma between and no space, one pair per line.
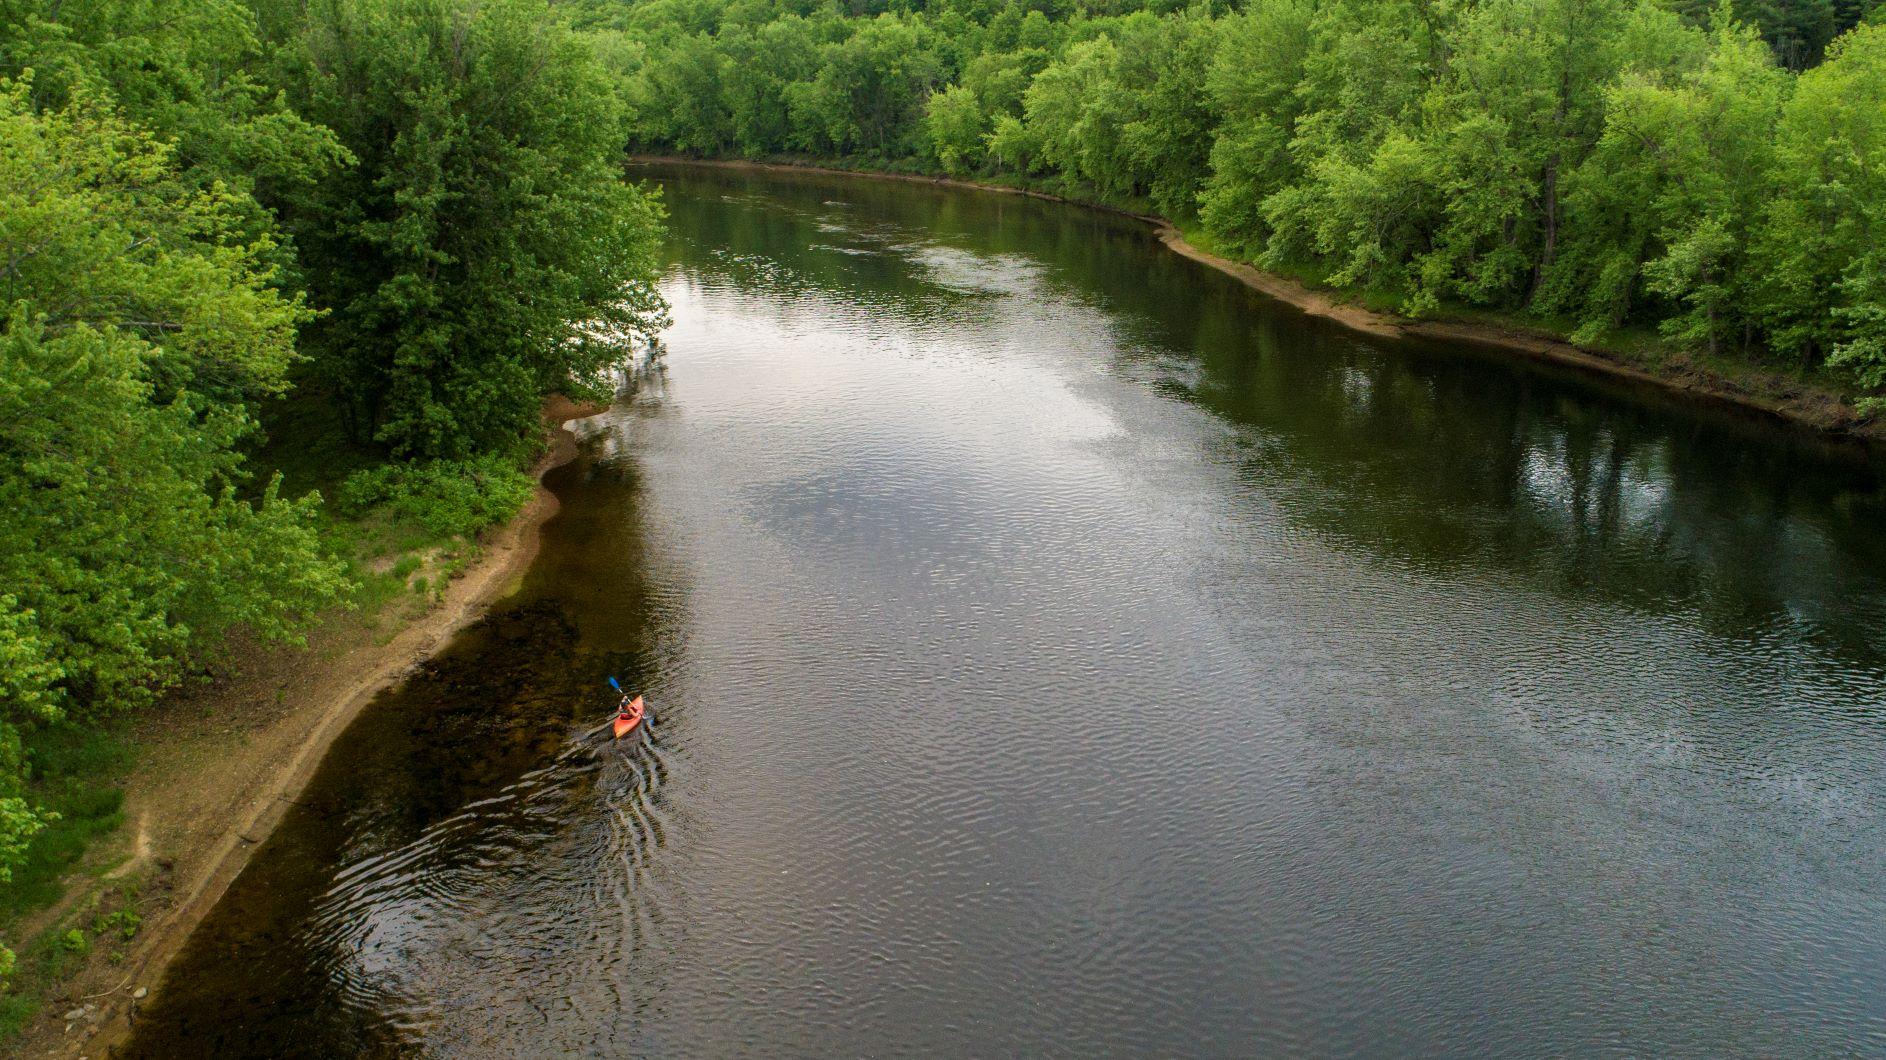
1059,649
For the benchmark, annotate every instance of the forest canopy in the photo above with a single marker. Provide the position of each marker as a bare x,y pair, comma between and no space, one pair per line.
1715,174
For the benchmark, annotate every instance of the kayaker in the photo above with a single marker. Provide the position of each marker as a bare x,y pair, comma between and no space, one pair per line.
630,714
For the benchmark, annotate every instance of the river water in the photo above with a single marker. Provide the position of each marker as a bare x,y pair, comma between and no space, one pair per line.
1058,648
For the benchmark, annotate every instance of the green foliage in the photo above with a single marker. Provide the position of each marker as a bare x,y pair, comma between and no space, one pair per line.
759,64
1665,204
483,249
1799,31
1125,112
869,91
140,318
679,97
177,68
447,497
123,923
1823,242
955,125
102,236
1252,83
1159,101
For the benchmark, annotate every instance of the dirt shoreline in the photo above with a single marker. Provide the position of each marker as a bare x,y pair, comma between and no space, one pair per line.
1819,410
255,768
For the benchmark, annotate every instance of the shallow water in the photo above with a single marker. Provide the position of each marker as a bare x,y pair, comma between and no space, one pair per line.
1058,648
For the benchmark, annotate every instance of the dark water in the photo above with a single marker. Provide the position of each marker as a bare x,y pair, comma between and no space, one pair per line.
1059,649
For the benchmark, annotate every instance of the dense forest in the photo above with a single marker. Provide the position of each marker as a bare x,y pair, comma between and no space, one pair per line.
1716,174
408,211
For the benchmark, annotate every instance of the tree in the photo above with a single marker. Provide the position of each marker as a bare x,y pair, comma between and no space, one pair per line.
485,248
182,69
1253,81
760,64
1069,117
139,318
677,98
1162,107
1368,67
1643,162
1000,79
1823,243
869,93
954,122
1709,139
1798,31
1521,103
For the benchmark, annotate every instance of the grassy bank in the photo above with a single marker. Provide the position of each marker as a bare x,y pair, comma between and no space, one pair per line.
78,775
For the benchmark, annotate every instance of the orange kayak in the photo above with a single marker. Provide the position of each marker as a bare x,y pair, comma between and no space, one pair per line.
630,717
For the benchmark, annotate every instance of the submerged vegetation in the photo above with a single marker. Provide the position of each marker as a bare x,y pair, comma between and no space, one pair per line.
250,253
1716,174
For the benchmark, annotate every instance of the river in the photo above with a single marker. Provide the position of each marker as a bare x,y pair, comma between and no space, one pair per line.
1059,648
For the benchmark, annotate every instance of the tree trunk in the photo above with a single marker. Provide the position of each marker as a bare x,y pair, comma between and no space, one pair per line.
1549,244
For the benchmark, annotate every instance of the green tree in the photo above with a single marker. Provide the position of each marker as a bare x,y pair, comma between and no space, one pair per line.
1614,162
1823,244
1012,145
1367,70
1253,81
955,125
1798,31
1708,143
1070,121
1520,103
484,249
676,98
139,317
760,64
869,93
183,69
1162,108
1000,79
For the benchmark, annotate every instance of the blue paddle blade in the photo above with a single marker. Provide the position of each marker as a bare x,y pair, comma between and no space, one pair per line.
612,684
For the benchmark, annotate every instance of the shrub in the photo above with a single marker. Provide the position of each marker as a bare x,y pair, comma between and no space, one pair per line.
124,922
447,497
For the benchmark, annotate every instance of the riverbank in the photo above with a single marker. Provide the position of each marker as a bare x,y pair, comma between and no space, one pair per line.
1747,388
219,767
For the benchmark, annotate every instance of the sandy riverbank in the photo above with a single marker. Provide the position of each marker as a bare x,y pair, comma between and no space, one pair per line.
1765,393
221,767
